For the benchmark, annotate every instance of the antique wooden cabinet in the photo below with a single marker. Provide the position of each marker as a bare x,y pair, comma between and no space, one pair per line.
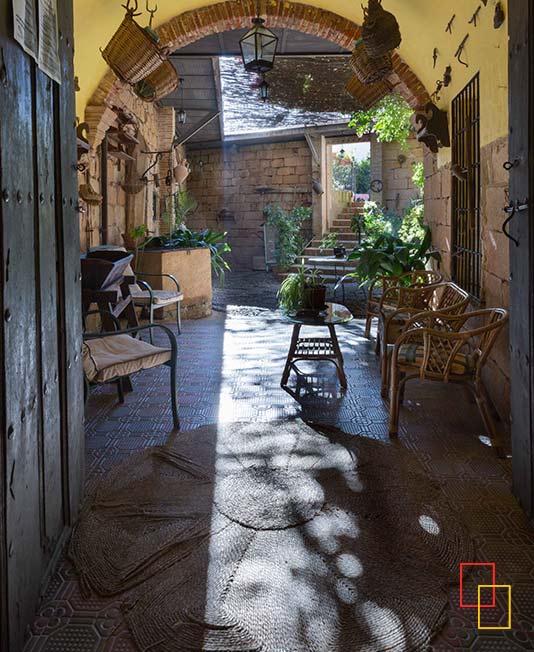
41,388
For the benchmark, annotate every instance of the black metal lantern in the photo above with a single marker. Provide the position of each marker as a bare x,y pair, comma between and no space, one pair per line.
264,90
258,47
182,117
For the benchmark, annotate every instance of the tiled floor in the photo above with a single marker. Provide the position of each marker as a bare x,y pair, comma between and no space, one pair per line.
230,367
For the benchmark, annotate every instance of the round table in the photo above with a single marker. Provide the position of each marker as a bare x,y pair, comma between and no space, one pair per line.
317,348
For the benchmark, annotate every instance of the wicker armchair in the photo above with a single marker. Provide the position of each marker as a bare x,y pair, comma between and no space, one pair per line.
447,348
399,304
419,277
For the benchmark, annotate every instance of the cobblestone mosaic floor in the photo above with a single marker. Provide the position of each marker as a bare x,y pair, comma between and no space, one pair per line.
230,367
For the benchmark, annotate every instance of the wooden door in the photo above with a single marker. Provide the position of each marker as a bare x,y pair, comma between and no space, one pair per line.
521,93
41,391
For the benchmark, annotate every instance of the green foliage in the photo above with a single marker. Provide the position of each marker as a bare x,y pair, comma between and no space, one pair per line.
412,226
329,241
290,242
178,207
376,221
418,178
185,238
390,255
290,294
389,119
349,174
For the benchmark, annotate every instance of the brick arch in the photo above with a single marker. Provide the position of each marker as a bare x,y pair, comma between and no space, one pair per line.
190,26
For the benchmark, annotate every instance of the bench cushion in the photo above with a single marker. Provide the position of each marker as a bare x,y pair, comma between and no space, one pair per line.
412,355
161,297
112,357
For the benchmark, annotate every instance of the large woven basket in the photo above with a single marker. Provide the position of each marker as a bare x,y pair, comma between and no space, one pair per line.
158,84
132,53
380,30
369,70
367,95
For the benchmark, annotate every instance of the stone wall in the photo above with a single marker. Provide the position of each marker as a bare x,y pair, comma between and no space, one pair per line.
242,180
154,128
495,248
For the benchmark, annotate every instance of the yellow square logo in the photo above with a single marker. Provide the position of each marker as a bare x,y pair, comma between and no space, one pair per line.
508,588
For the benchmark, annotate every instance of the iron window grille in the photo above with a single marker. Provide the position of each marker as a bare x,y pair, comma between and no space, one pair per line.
466,244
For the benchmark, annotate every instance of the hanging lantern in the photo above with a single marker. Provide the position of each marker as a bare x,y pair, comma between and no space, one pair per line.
182,116
264,90
258,47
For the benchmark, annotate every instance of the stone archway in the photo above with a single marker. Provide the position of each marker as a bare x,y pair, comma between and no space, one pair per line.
190,26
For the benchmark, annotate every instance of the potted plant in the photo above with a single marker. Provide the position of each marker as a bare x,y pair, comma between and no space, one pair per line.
302,290
390,255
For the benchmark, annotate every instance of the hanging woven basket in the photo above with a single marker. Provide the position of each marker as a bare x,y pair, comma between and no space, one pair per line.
132,53
369,70
380,30
158,84
367,95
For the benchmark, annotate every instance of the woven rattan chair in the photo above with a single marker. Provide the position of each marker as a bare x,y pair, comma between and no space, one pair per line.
112,357
399,304
144,295
447,348
419,277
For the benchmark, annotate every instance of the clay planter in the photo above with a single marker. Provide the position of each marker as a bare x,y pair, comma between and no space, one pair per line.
181,171
314,298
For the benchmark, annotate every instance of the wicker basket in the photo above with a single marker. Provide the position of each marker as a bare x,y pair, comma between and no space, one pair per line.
369,70
380,30
158,84
367,95
132,53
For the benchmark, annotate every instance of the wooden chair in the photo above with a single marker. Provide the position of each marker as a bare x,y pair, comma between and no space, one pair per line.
399,304
114,356
418,277
439,346
145,296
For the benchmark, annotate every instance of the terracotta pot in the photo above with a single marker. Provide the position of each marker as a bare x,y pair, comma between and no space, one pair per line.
182,171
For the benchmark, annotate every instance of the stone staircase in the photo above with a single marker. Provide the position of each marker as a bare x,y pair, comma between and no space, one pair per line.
348,239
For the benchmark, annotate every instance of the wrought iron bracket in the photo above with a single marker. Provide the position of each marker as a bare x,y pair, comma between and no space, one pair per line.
511,210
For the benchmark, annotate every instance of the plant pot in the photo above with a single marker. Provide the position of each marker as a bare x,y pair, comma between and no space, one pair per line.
314,298
339,252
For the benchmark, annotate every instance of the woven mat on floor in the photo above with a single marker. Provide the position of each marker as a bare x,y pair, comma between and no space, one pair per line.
272,537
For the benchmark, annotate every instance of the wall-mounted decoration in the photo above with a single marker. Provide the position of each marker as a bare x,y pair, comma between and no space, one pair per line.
182,171
447,76
380,30
450,24
474,17
460,51
435,55
499,18
89,195
433,128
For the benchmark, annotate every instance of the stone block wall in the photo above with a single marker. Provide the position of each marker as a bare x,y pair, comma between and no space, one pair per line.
399,189
495,249
155,131
243,180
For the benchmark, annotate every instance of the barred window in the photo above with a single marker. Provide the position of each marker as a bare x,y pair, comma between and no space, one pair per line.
466,249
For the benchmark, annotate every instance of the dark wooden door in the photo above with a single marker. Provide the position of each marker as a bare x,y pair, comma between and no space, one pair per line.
41,391
521,27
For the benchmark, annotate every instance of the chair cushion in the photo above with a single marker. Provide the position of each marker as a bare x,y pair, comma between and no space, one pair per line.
120,355
411,355
161,297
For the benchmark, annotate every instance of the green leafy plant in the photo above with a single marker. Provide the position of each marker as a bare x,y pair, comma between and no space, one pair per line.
412,226
139,237
376,221
389,119
418,177
292,290
290,242
349,174
178,207
390,255
329,241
